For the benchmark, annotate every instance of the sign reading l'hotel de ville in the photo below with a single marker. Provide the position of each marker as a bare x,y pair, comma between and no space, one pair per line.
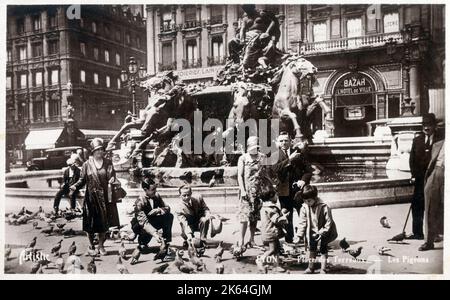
353,83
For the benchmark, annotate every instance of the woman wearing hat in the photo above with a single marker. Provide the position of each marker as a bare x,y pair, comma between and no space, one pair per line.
99,208
253,179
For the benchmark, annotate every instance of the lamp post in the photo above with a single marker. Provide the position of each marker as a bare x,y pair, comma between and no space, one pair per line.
132,75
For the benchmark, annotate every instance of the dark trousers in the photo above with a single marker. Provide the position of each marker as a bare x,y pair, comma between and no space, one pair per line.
64,191
418,207
287,203
196,224
163,222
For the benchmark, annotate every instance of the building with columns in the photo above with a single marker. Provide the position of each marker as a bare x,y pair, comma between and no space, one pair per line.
375,62
59,55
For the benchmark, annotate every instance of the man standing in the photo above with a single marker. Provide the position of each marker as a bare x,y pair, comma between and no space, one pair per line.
70,177
434,196
418,161
193,215
150,215
293,172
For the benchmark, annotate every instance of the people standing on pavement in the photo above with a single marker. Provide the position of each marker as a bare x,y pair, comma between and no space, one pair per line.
193,215
99,207
434,196
418,161
273,222
253,180
292,171
317,225
70,177
150,215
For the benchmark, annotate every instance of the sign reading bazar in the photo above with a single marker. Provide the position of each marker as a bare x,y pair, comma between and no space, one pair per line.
354,83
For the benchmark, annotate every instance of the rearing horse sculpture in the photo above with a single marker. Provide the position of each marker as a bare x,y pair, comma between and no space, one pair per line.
293,96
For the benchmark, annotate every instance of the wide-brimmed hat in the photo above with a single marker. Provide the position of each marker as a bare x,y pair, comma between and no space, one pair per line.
216,226
96,144
252,143
73,159
429,119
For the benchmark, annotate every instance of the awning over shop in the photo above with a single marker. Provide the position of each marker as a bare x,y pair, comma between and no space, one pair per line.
93,133
42,139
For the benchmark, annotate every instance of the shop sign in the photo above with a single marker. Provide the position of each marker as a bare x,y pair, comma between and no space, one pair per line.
198,73
353,84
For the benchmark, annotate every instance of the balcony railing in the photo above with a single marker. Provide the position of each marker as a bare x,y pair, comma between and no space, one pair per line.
216,60
168,27
375,40
167,67
192,63
192,24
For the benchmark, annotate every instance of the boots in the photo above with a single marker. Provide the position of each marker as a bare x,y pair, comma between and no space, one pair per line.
323,264
312,258
101,242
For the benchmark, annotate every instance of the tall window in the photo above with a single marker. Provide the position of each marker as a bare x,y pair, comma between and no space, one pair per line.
54,77
9,55
217,49
190,13
38,79
119,83
82,76
107,56
391,23
21,26
37,49
8,82
191,53
108,81
38,108
54,106
320,32
53,47
83,48
118,59
37,23
94,27
95,78
52,21
167,54
167,18
216,14
22,53
96,53
354,27
22,81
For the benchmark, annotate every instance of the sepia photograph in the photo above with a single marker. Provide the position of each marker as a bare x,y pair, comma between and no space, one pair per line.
279,140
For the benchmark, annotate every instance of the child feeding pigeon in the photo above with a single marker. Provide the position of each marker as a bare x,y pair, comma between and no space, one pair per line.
316,222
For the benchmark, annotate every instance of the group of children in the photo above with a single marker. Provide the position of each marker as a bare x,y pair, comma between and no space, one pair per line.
316,227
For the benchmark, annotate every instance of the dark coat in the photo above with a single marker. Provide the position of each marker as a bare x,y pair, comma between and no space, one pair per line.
67,181
143,206
196,210
420,156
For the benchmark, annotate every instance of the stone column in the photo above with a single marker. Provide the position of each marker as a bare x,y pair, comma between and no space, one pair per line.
30,109
151,42
157,42
203,42
179,40
46,108
414,88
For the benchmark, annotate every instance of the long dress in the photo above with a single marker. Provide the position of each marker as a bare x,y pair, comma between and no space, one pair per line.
99,212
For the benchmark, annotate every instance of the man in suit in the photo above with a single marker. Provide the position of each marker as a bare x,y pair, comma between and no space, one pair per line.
293,171
418,161
193,215
70,177
434,196
150,215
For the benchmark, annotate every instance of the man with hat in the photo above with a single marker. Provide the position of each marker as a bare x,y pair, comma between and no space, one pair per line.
292,171
419,159
71,176
193,215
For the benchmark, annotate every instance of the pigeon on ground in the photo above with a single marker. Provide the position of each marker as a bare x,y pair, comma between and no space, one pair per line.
122,251
60,225
72,249
121,267
7,253
382,250
160,269
355,253
48,230
219,251
35,267
344,245
91,267
59,263
198,263
32,244
179,258
35,224
74,265
162,251
56,248
186,269
135,255
220,268
398,238
384,222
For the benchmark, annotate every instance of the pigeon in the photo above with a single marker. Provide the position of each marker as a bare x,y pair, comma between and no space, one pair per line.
32,243
23,219
219,251
48,230
219,265
384,222
135,256
344,245
35,267
35,224
237,250
7,253
121,267
91,267
59,263
122,251
36,214
160,269
198,263
162,251
91,252
24,211
398,238
72,249
69,232
355,253
179,258
61,225
74,265
186,269
382,250
56,248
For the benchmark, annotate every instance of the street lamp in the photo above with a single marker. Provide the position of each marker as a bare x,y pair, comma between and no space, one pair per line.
132,75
